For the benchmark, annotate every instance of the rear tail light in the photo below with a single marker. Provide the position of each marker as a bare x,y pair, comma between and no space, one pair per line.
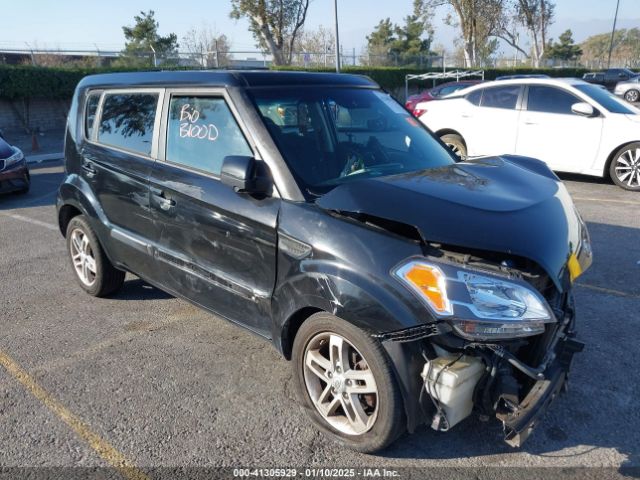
417,112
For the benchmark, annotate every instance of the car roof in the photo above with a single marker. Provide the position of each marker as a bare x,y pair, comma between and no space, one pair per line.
223,78
559,82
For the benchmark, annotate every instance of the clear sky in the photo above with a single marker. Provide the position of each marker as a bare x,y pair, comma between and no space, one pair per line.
67,24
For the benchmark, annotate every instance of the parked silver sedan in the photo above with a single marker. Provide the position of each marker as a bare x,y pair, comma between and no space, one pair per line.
629,89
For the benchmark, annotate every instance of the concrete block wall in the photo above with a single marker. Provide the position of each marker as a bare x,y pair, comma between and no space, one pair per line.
37,113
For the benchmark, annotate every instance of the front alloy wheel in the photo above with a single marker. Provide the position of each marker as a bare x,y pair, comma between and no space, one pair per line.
340,384
345,381
625,168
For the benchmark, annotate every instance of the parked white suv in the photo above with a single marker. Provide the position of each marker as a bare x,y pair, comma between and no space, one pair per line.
570,124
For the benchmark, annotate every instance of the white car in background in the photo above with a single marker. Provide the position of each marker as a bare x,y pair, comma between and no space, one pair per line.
570,124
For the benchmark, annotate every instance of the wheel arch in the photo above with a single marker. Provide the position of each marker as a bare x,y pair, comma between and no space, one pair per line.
612,155
450,131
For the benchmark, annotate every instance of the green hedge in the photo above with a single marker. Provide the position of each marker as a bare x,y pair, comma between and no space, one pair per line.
27,81
394,77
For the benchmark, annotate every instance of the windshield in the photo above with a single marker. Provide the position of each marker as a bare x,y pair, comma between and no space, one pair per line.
329,136
606,99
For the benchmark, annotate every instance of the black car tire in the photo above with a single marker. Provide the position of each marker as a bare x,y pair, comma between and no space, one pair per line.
632,96
617,169
107,279
25,189
456,144
389,423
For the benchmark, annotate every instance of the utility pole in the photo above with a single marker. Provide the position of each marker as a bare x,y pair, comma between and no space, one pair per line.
615,20
335,11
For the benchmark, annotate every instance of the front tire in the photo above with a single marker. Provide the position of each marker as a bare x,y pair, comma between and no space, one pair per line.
27,185
456,144
93,270
625,167
632,96
345,382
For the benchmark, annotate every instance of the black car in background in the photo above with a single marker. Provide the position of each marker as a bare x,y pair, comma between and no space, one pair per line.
14,172
609,78
312,209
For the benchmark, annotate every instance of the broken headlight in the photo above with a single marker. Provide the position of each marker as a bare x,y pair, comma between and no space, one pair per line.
478,305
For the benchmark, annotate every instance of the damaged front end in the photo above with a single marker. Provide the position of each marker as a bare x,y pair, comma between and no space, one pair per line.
503,343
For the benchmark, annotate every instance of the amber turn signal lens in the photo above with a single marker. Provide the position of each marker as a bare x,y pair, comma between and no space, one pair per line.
431,283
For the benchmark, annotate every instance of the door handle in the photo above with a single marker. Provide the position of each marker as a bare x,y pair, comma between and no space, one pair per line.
164,202
88,169
530,122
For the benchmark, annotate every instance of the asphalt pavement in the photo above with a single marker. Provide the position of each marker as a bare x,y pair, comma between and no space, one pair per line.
148,382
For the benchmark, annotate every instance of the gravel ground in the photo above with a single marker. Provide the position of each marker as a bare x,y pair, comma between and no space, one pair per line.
150,381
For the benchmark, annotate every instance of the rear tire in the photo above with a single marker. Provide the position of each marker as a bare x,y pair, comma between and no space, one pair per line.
625,167
456,144
93,270
632,96
345,373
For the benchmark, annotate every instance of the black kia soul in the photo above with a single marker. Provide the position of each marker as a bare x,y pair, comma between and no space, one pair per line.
313,210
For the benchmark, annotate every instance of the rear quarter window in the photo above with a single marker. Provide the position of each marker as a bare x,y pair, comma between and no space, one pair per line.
127,121
91,108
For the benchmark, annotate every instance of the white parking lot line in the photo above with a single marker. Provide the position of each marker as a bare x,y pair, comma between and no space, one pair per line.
593,199
22,218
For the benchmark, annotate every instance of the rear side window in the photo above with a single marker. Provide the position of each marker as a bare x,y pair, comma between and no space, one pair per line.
201,131
91,108
550,100
501,97
127,121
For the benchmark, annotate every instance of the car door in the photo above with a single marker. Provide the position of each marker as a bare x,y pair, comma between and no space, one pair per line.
213,246
551,132
121,128
490,120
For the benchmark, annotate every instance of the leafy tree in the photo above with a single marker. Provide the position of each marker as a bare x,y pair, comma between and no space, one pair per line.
316,43
143,38
565,49
207,47
380,42
415,36
626,49
535,16
275,24
478,21
407,41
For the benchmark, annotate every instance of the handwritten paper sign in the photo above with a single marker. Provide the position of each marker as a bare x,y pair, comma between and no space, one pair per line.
190,128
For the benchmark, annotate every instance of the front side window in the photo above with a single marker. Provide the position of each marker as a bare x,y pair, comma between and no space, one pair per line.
330,136
550,100
606,99
501,97
91,108
127,121
202,131
475,97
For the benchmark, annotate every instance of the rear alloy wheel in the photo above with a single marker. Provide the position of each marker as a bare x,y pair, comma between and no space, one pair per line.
456,144
632,96
625,167
95,273
345,381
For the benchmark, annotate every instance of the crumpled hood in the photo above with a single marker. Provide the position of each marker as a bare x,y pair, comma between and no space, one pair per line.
514,205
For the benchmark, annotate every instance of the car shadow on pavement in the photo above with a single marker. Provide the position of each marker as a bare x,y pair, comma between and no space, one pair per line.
138,289
576,177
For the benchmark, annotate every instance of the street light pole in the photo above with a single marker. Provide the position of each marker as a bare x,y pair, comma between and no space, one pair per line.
615,20
335,11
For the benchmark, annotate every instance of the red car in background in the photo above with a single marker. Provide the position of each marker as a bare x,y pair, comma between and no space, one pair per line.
436,92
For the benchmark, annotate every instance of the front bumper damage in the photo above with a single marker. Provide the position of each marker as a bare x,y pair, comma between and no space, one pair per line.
520,420
517,394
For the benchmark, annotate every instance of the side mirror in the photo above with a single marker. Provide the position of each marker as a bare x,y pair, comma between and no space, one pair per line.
583,109
244,174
